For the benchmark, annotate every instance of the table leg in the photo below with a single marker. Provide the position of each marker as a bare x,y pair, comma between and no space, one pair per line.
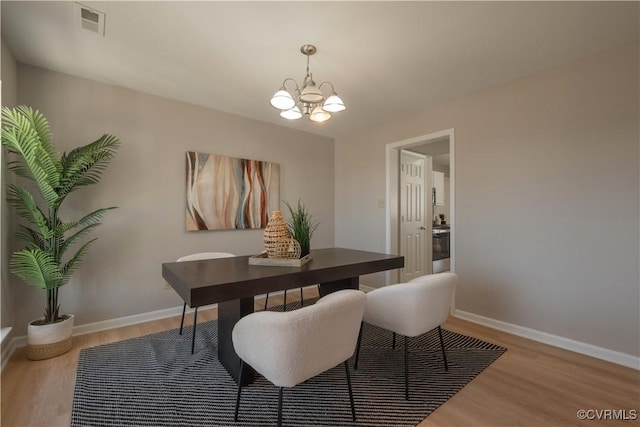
229,312
336,285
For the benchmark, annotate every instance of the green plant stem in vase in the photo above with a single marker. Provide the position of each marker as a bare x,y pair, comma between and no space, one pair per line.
301,226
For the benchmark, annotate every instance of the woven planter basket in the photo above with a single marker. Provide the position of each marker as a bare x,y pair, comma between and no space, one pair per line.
47,351
50,340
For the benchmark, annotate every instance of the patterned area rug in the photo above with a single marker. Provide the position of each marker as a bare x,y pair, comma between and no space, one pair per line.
154,380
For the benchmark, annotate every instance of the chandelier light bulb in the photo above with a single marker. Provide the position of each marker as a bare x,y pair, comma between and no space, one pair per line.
291,114
333,104
318,115
282,100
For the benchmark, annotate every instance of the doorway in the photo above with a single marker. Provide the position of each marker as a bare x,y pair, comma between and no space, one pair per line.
438,148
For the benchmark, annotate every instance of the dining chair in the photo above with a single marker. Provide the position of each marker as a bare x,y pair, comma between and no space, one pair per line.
196,257
411,309
266,300
288,348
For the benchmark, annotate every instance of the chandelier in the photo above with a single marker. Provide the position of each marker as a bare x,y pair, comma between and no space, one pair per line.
308,101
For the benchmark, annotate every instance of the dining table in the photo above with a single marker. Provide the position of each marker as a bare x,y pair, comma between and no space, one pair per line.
233,282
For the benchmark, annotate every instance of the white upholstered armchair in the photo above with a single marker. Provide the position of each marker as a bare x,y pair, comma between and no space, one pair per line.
288,348
411,309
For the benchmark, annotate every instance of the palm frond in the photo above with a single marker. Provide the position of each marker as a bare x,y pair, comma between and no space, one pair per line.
23,121
70,266
40,124
27,208
20,168
69,241
33,238
95,217
21,128
85,165
24,143
37,268
90,219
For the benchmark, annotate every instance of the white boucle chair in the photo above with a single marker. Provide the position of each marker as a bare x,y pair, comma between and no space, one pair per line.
197,257
411,309
288,348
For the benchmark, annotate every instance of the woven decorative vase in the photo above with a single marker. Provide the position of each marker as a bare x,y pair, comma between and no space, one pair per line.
288,249
276,236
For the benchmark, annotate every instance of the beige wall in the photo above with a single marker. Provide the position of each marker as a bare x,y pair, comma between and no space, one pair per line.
9,78
547,186
122,274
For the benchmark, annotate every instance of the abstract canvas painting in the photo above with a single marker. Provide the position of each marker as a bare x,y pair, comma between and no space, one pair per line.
225,193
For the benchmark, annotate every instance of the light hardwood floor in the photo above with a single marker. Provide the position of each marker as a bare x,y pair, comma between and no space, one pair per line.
531,385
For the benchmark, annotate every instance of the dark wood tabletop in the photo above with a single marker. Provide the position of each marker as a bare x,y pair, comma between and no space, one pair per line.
211,281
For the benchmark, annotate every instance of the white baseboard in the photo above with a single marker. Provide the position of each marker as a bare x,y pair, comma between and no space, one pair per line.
4,332
532,334
554,340
7,349
6,355
126,321
21,341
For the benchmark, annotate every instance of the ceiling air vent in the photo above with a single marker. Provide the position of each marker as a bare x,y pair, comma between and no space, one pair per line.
90,19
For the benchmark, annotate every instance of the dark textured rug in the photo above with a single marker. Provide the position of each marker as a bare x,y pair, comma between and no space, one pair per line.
154,380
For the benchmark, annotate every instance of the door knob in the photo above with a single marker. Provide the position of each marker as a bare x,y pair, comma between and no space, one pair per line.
423,228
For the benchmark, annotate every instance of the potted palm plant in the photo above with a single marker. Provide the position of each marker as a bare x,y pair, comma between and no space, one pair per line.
47,260
301,226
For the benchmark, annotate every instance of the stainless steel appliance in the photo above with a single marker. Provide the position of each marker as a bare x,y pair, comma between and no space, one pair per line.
440,245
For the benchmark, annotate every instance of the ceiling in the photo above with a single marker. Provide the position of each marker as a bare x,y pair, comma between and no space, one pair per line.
386,59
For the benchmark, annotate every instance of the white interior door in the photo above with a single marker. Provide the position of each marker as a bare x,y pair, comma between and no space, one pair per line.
415,227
